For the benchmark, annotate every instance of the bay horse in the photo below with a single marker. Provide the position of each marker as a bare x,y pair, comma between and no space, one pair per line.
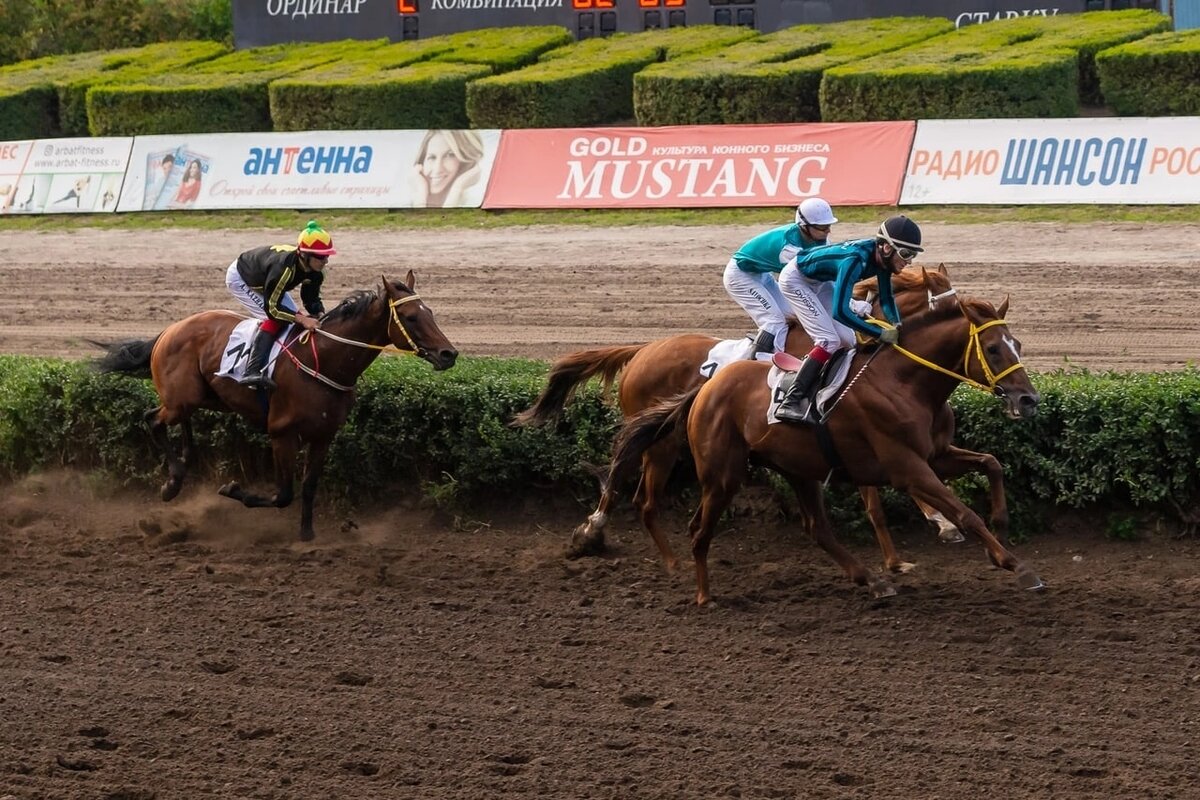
314,376
881,430
653,372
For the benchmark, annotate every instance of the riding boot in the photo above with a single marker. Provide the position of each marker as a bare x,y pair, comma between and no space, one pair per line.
796,405
256,367
765,343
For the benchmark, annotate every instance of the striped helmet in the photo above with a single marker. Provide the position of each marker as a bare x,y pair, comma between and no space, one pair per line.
313,239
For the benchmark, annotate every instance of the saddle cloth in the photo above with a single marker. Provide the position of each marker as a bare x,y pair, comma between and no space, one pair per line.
780,380
727,351
237,350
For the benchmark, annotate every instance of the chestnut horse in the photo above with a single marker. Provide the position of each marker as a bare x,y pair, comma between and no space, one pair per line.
315,377
881,429
651,373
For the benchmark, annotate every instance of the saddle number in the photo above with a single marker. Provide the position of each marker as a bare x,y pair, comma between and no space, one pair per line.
240,349
708,369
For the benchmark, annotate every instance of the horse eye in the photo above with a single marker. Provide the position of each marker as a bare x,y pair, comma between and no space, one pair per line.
992,350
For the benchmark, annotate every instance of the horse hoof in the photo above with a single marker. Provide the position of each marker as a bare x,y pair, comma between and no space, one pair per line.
882,589
584,543
951,536
307,535
1027,579
229,490
902,567
170,489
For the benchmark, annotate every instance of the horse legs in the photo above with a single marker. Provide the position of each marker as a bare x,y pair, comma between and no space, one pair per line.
924,485
284,449
713,502
891,560
317,451
812,500
189,443
656,471
157,419
956,462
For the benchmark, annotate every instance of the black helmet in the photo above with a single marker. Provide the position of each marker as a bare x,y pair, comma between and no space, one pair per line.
901,233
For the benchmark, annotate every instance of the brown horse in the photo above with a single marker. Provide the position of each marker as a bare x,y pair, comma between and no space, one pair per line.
881,430
315,380
651,373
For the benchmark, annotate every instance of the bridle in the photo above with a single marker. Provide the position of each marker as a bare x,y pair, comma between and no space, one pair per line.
974,345
314,371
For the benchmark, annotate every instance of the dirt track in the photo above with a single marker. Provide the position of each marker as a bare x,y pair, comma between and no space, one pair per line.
1103,296
195,650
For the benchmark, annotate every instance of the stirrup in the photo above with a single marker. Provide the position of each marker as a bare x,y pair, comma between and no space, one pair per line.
259,381
802,412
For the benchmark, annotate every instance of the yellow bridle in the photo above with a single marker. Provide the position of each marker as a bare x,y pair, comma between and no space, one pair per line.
973,342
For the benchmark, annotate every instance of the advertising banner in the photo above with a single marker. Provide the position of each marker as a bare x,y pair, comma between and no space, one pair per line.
1031,161
333,169
62,176
701,166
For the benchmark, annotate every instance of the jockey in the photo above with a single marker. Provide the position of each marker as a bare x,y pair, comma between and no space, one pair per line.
748,275
261,278
819,285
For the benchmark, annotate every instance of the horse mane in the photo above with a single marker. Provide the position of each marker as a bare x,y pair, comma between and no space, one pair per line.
906,280
354,305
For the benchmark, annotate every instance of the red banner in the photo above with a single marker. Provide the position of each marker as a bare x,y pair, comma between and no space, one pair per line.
703,166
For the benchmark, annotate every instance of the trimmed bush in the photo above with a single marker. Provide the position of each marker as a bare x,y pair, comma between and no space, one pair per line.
1173,59
1024,67
418,84
1111,439
587,83
225,94
772,78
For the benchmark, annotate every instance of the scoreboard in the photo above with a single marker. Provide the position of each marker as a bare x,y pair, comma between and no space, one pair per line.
262,22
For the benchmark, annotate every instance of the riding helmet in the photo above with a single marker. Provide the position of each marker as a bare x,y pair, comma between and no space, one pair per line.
901,232
313,239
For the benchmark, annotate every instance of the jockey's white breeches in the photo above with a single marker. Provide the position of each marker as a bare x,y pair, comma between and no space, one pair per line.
812,302
253,300
759,295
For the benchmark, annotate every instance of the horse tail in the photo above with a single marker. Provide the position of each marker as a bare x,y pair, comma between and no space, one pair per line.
643,431
131,357
569,373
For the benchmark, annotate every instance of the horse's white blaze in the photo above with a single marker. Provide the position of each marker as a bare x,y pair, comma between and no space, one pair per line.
1012,345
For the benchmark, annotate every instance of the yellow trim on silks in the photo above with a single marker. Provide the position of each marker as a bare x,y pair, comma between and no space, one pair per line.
273,300
972,339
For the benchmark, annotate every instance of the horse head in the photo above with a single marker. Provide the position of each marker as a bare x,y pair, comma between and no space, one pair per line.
411,326
993,358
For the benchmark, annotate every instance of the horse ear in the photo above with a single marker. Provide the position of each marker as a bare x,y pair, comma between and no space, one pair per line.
942,269
1003,309
386,284
411,280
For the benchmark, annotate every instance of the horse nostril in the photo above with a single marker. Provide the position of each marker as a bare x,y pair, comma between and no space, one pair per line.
448,354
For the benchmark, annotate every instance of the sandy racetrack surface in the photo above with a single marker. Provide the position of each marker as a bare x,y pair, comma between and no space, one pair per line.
196,650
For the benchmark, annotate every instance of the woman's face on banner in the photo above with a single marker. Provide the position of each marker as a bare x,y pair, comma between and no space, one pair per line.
440,165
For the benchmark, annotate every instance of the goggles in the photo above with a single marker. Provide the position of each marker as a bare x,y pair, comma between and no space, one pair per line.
906,254
905,250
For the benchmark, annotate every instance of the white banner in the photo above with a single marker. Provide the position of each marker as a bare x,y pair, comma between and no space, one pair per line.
1030,161
62,176
331,169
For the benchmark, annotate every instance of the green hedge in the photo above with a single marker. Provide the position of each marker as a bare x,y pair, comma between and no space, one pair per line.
1113,440
45,97
225,94
1173,59
419,84
771,78
589,83
1024,67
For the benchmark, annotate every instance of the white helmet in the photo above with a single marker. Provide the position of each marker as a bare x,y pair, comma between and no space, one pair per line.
814,211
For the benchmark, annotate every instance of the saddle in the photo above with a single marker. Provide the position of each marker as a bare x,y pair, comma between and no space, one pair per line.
829,381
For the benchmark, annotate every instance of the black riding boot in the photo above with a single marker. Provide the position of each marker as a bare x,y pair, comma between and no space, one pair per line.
256,368
765,343
796,404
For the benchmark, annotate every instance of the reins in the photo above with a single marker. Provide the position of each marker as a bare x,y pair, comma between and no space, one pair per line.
314,371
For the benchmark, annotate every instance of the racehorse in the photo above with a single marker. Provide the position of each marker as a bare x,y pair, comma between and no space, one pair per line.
880,431
315,377
651,373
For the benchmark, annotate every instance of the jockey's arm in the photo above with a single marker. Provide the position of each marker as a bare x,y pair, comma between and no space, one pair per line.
843,290
274,291
887,300
310,294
